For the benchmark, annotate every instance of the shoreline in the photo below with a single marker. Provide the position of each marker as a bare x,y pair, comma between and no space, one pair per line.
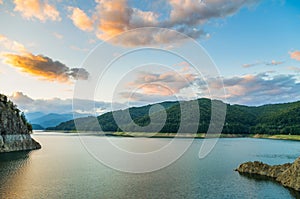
286,174
172,135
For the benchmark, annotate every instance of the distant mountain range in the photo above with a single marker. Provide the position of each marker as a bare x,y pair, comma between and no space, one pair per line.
42,121
267,119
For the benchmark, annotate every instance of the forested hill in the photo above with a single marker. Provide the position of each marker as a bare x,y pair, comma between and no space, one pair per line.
266,119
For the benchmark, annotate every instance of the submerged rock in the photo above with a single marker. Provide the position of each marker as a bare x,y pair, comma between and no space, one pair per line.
287,174
14,129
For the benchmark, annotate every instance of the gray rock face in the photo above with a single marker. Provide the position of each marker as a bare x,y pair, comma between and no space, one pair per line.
14,130
18,142
287,174
291,176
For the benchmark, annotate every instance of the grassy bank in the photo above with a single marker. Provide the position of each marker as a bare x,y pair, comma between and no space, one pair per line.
278,137
202,135
188,135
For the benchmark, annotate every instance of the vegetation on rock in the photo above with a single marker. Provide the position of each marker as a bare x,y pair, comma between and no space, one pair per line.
14,128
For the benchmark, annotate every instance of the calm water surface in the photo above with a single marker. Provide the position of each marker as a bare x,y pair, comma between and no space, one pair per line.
64,169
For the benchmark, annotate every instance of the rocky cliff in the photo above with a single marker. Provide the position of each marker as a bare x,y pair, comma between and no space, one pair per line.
14,129
287,174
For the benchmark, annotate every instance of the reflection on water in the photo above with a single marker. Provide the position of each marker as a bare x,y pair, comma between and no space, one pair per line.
282,156
64,169
12,168
259,178
14,156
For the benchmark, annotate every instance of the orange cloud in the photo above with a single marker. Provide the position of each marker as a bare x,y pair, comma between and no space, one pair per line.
156,89
41,10
80,19
185,66
11,45
112,17
44,67
295,55
39,65
274,63
146,36
165,84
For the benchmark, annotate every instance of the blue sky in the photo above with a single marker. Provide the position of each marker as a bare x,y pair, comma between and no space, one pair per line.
255,45
265,32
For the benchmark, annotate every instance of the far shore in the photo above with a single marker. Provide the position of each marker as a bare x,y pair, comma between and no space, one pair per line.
185,135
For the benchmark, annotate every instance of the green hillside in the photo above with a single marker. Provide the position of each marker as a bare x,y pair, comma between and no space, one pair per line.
266,119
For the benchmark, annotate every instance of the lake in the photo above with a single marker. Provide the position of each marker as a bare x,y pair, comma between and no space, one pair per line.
64,169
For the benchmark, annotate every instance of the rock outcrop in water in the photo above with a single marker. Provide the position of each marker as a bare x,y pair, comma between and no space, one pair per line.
14,129
287,174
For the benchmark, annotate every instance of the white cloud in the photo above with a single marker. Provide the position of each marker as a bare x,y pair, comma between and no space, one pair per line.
56,105
271,63
251,89
294,69
261,88
58,36
274,63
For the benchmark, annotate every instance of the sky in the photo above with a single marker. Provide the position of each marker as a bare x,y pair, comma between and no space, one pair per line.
51,48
